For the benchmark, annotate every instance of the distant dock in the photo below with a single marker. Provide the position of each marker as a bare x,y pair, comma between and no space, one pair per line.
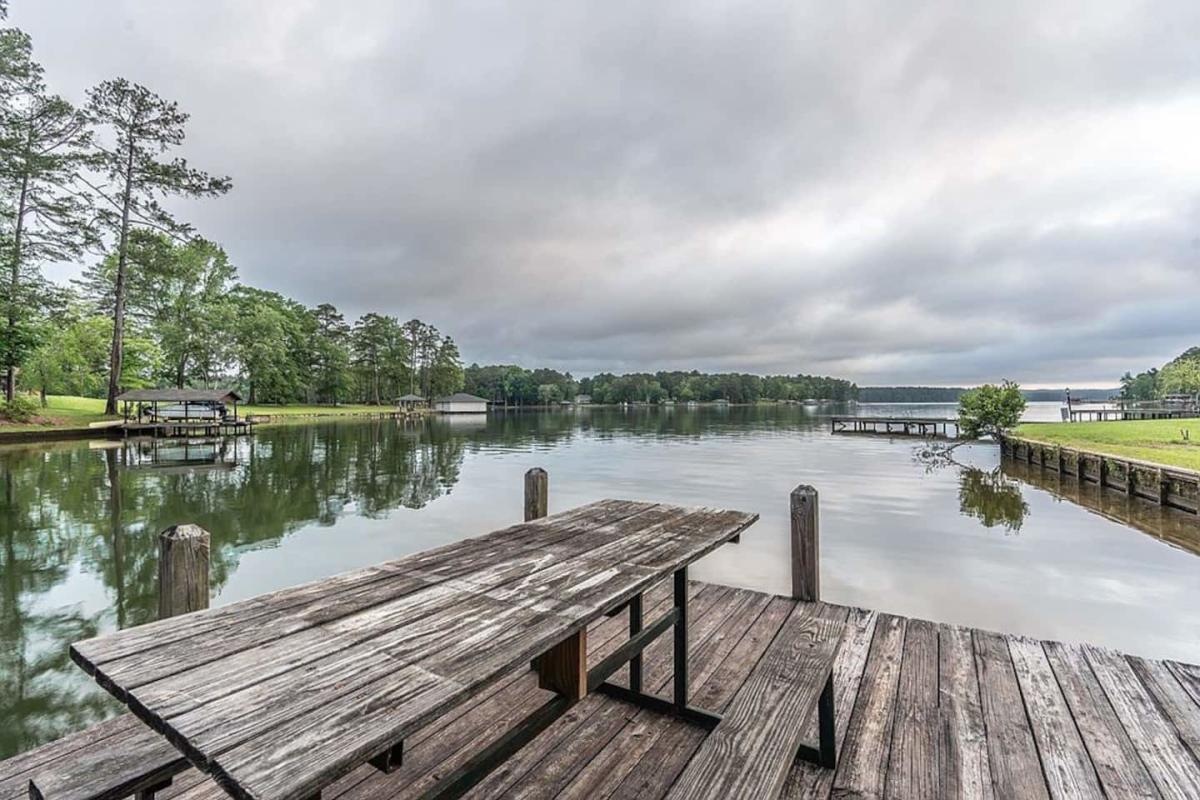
924,427
1076,414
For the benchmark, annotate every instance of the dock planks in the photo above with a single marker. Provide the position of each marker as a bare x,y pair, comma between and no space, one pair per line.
923,710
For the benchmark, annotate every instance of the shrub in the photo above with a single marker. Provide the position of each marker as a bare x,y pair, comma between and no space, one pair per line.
22,408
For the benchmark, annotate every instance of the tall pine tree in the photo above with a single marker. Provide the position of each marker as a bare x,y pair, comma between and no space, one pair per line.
140,128
43,216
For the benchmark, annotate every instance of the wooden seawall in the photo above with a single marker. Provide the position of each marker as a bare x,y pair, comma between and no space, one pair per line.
1174,487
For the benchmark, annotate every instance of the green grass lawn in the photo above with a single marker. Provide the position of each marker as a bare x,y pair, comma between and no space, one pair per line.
61,412
65,412
293,411
1157,440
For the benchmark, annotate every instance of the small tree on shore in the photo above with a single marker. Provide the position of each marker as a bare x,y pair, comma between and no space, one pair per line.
990,410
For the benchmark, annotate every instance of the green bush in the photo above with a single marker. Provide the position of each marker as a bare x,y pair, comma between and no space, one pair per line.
22,408
990,410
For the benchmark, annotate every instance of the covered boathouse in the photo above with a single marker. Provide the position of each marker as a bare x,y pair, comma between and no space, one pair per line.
181,412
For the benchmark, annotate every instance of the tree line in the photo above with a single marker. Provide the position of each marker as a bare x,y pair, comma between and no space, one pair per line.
1180,375
161,306
511,385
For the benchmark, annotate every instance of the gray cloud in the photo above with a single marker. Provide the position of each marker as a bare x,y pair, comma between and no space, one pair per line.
891,192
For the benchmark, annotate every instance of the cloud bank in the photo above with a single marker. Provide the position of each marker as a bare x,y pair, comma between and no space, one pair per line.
894,193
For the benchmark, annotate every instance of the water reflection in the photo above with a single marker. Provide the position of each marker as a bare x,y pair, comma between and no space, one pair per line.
87,517
1177,528
992,498
78,525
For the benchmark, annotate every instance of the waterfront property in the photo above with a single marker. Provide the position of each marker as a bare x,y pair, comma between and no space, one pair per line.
1174,406
181,412
909,708
1169,442
1166,486
409,402
460,403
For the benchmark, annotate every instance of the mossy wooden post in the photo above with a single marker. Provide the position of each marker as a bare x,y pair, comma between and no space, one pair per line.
183,552
806,567
537,493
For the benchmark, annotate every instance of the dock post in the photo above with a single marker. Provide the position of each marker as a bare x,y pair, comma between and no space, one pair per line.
1164,488
537,493
183,552
806,567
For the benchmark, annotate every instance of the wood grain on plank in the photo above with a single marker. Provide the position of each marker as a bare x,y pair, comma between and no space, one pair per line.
1173,699
466,637
1012,753
1117,763
962,755
114,767
809,780
460,555
863,761
764,725
445,743
1172,767
1065,761
913,770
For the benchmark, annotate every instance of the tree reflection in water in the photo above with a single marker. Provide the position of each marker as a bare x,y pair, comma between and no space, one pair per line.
89,513
993,499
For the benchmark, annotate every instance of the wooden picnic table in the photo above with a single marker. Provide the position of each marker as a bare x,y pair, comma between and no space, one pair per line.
278,696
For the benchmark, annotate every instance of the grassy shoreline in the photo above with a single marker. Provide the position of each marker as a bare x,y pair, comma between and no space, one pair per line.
1159,441
66,414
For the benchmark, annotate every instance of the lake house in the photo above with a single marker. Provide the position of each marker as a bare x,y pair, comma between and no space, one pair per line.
460,403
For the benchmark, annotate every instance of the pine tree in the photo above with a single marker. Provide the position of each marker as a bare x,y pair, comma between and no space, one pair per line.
141,127
43,216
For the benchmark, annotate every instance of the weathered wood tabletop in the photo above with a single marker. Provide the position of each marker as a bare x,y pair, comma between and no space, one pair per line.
279,695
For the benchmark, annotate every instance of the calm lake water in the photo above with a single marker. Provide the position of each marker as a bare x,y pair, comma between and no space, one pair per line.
1006,549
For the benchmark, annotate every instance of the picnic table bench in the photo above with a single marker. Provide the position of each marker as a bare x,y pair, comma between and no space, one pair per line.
278,696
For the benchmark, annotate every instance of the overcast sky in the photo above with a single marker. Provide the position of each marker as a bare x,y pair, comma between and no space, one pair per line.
898,192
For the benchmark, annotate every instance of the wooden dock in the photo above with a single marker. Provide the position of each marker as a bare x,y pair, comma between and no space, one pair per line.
1077,414
190,428
925,427
923,710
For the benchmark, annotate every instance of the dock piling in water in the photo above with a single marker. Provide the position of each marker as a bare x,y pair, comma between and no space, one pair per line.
183,553
537,493
806,567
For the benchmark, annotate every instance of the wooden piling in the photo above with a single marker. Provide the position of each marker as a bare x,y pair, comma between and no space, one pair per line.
183,553
537,493
806,567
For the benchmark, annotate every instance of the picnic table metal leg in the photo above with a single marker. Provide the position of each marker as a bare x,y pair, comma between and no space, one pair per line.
825,753
640,637
681,640
635,627
148,792
389,760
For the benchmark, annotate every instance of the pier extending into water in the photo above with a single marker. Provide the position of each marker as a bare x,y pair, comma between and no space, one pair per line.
1084,414
922,709
1175,487
925,427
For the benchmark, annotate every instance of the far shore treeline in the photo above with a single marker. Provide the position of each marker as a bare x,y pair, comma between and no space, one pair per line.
950,394
511,385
